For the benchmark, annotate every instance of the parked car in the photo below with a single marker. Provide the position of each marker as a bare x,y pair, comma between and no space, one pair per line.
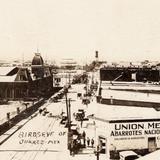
80,115
85,101
128,155
64,119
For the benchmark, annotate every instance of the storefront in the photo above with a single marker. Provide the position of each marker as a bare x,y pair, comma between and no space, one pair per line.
120,128
141,135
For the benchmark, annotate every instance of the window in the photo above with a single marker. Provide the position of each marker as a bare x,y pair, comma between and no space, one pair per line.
23,78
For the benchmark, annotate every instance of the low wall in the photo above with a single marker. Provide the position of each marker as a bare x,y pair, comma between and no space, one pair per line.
24,114
112,101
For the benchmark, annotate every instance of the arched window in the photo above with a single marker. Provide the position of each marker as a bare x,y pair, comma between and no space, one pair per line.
17,93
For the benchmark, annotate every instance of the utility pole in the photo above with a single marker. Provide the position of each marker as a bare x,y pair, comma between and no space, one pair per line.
87,98
87,85
69,114
66,90
68,105
97,155
97,152
69,78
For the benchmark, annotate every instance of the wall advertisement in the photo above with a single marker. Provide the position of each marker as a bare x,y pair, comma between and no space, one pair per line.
134,130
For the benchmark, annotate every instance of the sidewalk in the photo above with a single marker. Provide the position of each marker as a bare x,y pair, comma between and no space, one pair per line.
29,140
83,157
76,104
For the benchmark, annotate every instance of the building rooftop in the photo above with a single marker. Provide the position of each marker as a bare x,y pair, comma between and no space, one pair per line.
5,70
131,96
7,78
114,112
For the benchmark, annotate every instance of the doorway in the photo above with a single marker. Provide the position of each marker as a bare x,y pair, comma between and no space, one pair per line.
152,146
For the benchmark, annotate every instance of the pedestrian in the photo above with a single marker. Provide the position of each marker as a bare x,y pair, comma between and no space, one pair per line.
81,123
74,114
84,138
88,141
72,148
40,111
92,142
75,146
78,144
84,134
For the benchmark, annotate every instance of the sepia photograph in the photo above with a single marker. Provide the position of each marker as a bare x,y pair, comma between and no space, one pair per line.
80,80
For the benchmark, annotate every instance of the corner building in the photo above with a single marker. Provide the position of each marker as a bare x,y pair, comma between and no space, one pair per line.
19,83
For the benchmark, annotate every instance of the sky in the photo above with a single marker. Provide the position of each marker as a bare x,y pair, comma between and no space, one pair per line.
121,30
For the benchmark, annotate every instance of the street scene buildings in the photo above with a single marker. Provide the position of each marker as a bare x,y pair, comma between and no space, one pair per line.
80,80
97,112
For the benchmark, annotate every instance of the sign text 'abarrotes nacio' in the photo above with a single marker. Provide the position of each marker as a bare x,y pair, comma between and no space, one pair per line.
135,129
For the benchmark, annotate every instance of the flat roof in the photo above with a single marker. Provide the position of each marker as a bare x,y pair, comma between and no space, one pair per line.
130,85
114,112
127,153
8,78
130,95
5,70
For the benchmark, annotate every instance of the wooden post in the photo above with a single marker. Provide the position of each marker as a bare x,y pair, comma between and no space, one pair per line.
69,114
111,100
8,118
67,109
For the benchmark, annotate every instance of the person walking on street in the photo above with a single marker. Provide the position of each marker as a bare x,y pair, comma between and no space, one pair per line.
88,141
81,123
92,142
84,138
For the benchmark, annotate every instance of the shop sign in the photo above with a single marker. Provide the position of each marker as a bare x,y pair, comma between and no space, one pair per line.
135,129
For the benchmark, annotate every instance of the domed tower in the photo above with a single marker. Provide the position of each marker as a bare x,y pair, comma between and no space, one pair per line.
38,66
